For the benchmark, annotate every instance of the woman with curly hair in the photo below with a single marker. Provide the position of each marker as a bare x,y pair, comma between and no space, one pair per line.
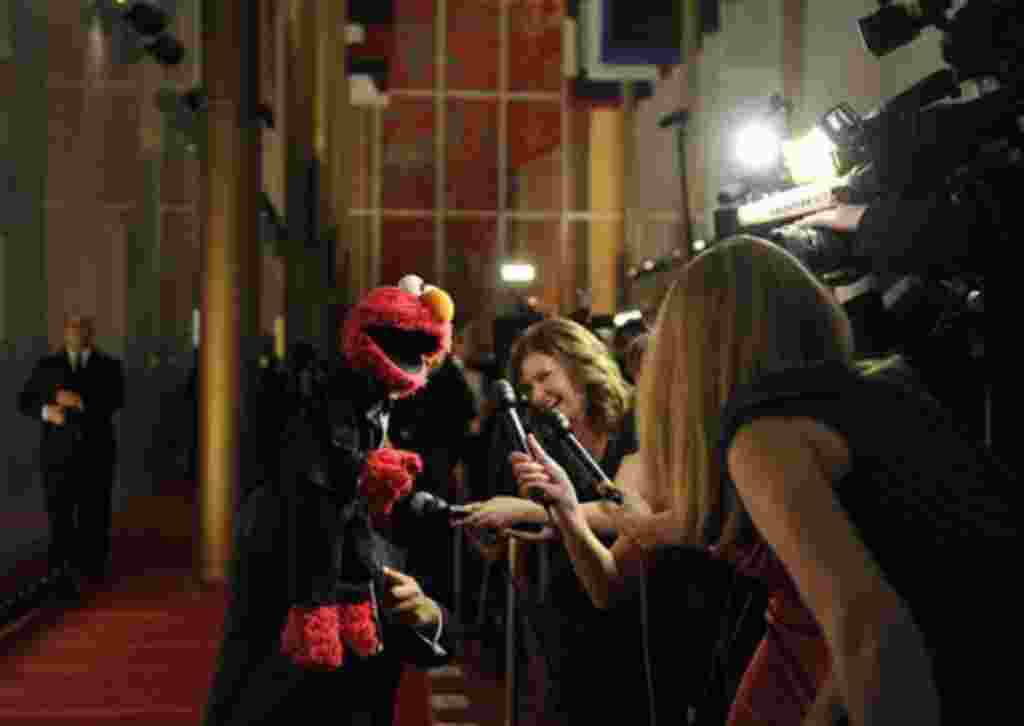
558,364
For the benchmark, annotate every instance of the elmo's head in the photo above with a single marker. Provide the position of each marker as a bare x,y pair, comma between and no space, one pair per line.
395,334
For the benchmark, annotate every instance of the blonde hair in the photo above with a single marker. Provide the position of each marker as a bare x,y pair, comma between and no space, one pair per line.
588,363
743,308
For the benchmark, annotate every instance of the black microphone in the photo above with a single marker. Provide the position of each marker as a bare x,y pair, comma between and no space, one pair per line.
426,505
507,399
506,396
604,489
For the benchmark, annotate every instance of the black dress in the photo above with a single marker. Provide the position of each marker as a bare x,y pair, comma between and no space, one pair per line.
585,648
931,504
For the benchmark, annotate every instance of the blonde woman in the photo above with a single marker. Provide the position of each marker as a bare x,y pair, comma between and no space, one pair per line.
841,491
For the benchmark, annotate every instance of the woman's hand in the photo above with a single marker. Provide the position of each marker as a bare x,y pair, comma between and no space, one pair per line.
498,513
649,531
841,218
542,478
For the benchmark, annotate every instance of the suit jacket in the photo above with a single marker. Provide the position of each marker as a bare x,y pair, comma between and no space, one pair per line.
88,434
283,549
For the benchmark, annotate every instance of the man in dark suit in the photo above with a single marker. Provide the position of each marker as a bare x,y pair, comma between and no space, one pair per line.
74,394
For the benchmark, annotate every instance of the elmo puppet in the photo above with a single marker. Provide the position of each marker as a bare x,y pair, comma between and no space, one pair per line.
320,612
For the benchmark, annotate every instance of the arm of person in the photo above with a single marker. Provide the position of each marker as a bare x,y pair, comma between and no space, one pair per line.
784,476
422,626
828,705
605,517
604,572
37,392
503,512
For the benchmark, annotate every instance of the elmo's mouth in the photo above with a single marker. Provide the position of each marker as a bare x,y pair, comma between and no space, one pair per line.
405,348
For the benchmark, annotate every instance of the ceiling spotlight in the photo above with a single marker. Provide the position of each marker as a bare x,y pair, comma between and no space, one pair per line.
146,19
648,265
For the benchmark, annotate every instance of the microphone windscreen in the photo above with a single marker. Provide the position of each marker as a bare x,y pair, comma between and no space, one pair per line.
504,392
560,419
424,503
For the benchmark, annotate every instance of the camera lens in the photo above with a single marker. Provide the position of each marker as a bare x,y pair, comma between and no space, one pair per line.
887,29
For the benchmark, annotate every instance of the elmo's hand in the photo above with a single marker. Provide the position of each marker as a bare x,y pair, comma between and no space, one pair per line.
312,639
388,476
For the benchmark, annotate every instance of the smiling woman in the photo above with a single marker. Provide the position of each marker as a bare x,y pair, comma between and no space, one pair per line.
559,365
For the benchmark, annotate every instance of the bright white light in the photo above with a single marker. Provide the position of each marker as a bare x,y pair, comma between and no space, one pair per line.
699,245
757,145
517,272
624,317
809,158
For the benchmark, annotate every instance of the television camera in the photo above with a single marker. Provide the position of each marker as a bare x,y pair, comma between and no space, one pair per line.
935,169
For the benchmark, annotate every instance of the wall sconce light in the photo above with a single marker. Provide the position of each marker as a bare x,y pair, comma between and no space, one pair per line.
518,272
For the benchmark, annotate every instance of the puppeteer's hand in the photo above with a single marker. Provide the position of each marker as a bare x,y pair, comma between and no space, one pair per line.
69,399
404,601
497,513
841,218
540,474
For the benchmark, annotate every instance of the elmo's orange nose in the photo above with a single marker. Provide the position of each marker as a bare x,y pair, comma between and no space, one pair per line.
440,302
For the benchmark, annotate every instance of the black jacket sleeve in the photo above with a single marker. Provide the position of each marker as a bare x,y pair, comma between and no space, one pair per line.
251,673
39,389
414,646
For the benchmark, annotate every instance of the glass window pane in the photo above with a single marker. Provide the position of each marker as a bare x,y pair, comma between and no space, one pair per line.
408,164
407,248
473,45
534,156
412,66
471,276
535,34
472,141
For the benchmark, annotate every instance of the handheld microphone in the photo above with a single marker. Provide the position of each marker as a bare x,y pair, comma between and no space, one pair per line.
425,505
506,396
604,489
507,400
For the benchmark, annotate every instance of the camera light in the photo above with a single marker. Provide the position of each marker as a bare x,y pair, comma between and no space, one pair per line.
757,145
624,317
810,158
517,272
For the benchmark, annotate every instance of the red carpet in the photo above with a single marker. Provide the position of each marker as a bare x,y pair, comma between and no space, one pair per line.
139,651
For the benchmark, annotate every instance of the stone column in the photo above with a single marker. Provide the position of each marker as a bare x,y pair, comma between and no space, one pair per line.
607,203
230,243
